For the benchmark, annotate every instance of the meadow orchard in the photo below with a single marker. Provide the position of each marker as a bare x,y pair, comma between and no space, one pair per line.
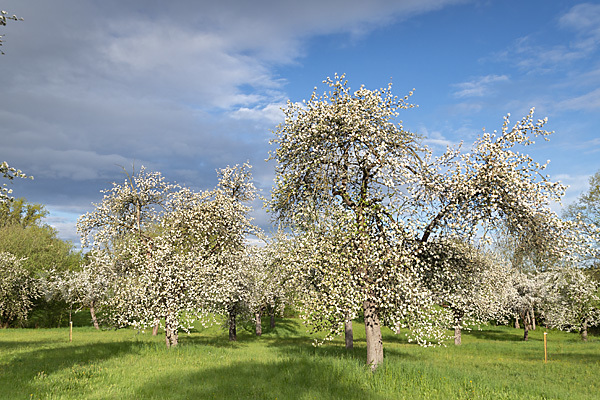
372,227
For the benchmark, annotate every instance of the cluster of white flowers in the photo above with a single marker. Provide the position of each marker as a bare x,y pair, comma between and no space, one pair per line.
17,290
570,299
9,173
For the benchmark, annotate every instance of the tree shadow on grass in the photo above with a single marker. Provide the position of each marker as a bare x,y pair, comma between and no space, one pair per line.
497,335
20,373
297,378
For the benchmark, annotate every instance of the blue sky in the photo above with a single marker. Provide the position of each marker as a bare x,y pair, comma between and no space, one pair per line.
186,87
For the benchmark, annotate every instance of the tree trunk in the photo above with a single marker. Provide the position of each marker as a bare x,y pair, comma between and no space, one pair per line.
93,314
584,331
155,329
171,334
349,334
457,327
258,323
532,318
373,335
517,326
232,326
272,323
525,326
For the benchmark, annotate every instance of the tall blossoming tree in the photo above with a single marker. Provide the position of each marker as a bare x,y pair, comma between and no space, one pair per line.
344,149
570,299
170,253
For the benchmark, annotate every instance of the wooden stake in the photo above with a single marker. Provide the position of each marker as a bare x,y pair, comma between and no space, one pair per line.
70,331
545,348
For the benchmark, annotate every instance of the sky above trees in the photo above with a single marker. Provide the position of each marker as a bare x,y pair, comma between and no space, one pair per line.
186,87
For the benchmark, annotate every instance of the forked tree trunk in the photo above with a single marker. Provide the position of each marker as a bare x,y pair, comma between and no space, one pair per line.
258,323
232,326
171,334
373,335
349,334
458,316
93,314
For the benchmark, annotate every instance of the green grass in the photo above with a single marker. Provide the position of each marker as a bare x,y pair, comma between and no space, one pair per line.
283,364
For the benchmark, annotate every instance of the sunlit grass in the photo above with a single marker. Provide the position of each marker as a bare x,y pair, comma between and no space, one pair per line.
283,364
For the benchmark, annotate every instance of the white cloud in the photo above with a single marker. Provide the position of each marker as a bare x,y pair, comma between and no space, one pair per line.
589,102
478,87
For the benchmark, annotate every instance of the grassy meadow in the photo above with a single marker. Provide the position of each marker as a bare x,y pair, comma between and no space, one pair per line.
283,364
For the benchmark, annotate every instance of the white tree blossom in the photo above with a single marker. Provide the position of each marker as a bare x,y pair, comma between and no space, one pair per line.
172,254
343,150
472,283
9,173
17,290
570,299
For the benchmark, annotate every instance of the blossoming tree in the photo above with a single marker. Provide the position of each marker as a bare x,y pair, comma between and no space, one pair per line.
344,150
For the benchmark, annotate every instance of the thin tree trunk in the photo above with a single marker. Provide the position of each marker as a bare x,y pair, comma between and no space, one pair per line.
525,326
93,314
457,327
584,331
155,329
532,318
258,323
373,335
272,322
171,334
232,326
517,326
349,334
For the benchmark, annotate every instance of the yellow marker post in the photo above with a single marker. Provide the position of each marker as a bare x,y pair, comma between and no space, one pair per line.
545,348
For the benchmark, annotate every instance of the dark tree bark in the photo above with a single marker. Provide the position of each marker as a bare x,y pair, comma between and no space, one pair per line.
526,325
272,315
349,334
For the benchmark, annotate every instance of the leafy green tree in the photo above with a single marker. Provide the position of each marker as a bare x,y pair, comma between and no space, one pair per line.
19,212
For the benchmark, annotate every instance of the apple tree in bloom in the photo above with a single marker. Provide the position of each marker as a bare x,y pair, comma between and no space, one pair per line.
88,287
17,290
570,299
225,284
472,283
163,248
271,282
343,150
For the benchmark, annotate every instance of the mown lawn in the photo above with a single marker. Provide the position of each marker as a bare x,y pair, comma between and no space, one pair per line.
283,364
